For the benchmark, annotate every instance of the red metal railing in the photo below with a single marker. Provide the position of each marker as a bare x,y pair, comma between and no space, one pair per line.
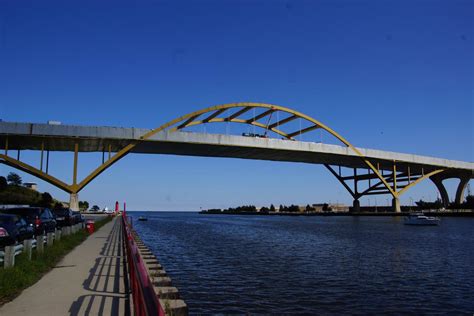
145,299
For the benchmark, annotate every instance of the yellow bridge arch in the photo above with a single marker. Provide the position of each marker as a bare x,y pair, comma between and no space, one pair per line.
231,113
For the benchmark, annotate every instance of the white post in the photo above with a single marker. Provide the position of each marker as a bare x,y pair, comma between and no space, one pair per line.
49,239
9,258
28,247
39,244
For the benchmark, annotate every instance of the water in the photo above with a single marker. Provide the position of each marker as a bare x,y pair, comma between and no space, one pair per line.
231,264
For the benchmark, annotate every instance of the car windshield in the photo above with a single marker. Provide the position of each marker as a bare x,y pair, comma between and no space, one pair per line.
45,214
29,213
61,212
5,219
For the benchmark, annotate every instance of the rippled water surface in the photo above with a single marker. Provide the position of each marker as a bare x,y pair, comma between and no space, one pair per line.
314,265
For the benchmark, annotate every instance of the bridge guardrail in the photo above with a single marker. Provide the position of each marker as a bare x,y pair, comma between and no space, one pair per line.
8,254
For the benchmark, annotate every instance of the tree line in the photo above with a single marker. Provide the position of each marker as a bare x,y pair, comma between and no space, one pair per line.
272,209
438,204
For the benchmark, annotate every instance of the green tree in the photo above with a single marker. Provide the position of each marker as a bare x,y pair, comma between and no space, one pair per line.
57,205
469,203
46,200
3,183
272,208
293,208
14,179
264,209
95,208
83,205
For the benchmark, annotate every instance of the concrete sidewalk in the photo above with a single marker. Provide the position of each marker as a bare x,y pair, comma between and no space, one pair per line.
88,281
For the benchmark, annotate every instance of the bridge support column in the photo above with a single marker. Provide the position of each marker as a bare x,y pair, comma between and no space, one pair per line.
74,202
442,190
396,205
460,190
356,206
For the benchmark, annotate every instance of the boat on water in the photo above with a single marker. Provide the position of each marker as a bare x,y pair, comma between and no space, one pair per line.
421,219
142,218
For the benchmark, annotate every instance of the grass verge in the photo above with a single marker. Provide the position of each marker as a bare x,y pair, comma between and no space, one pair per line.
26,273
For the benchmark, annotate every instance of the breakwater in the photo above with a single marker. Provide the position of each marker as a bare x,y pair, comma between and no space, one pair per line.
151,288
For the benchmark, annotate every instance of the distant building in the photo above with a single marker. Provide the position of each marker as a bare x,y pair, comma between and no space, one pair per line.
31,185
331,207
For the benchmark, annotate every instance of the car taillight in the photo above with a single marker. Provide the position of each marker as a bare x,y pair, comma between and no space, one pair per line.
37,221
3,232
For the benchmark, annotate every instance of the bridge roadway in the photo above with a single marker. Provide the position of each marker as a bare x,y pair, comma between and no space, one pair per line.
29,136
407,167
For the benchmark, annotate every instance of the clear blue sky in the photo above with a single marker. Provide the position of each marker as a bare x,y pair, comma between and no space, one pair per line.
391,75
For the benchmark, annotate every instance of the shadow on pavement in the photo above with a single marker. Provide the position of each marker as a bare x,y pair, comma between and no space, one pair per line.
106,282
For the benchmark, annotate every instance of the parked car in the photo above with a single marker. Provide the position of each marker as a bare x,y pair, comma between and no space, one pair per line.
64,217
14,228
79,218
40,217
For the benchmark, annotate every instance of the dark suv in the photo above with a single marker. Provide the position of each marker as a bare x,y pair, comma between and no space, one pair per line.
13,228
64,217
42,219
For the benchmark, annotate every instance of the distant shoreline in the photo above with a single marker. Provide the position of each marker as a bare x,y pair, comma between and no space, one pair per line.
440,214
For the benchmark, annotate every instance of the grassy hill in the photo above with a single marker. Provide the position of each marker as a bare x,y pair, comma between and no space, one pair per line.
19,195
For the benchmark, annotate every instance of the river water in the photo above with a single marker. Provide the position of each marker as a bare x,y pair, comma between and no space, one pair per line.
229,264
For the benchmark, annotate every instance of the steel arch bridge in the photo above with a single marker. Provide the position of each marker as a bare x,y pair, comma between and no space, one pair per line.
273,119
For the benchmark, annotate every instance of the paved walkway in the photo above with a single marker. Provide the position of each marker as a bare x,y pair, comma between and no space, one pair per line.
88,281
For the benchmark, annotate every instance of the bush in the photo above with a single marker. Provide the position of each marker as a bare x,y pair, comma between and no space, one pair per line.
3,183
19,195
14,179
46,200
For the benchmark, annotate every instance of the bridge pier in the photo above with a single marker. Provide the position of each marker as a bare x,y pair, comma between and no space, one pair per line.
460,190
438,181
74,202
396,205
356,206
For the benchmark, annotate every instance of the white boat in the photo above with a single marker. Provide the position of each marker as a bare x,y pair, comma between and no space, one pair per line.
107,211
421,219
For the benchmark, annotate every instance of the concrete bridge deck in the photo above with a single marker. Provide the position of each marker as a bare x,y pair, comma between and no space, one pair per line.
31,136
394,173
88,281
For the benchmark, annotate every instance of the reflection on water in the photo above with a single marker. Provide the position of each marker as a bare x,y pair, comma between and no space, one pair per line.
314,265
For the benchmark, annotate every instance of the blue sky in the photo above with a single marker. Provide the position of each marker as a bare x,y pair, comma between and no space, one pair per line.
391,75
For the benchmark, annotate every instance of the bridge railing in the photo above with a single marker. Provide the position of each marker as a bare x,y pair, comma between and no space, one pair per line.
145,299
